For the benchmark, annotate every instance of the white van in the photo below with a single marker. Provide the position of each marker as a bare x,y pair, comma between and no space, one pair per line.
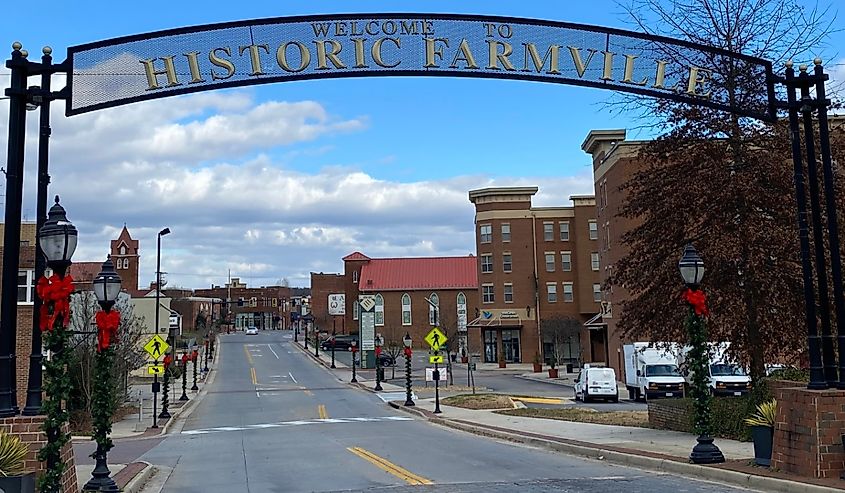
596,383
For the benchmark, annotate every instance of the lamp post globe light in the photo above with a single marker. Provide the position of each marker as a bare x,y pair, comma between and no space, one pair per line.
406,341
354,344
57,239
106,289
165,414
692,271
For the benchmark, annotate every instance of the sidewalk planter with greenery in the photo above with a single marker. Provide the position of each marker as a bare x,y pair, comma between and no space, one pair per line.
502,362
13,479
553,371
538,364
762,425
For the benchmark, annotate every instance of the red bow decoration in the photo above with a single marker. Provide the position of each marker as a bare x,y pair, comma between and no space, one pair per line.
194,355
55,293
407,352
107,324
184,358
698,300
167,360
378,350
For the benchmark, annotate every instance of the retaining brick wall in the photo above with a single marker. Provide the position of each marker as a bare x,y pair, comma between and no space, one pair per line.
670,415
28,429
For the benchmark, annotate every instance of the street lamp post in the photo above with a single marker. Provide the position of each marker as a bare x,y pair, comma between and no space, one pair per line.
165,414
316,342
333,341
194,357
205,369
378,363
354,350
184,396
407,342
106,289
692,270
436,373
57,239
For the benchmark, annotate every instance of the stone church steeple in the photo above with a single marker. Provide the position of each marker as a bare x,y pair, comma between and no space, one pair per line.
124,254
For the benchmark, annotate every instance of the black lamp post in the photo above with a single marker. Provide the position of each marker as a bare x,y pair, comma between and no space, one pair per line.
692,271
354,350
333,341
316,342
207,345
106,289
407,342
379,343
165,414
184,396
194,357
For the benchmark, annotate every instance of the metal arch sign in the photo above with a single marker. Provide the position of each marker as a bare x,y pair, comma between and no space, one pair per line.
134,68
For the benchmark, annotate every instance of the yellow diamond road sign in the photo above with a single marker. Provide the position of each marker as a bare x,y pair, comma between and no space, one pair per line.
155,369
156,346
435,359
436,339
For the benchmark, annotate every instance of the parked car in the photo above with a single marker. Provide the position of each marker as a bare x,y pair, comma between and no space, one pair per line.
342,343
596,383
251,331
386,359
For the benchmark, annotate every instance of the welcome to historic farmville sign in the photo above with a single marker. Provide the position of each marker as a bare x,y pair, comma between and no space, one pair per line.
147,66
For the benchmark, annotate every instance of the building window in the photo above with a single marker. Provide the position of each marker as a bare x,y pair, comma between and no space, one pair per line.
486,263
122,250
548,231
462,312
26,286
379,309
486,233
594,230
564,231
406,309
356,308
506,232
126,263
487,293
551,292
507,263
568,295
566,261
508,293
550,262
594,260
433,309
355,276
597,292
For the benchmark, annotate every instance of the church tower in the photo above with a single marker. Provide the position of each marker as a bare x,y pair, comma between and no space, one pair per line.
124,254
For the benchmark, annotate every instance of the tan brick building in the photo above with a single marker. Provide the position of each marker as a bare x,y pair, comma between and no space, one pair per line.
536,264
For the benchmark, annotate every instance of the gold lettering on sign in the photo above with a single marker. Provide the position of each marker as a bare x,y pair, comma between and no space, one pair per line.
254,59
580,65
359,53
372,28
389,28
660,76
409,27
355,31
464,54
698,75
282,57
377,52
428,27
495,57
321,29
432,51
216,60
340,29
629,71
324,55
608,65
169,70
552,54
194,66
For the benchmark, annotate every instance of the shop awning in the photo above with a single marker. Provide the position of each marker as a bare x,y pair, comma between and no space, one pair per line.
596,322
494,322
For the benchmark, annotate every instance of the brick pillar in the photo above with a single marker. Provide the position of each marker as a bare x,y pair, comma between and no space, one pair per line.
28,429
808,432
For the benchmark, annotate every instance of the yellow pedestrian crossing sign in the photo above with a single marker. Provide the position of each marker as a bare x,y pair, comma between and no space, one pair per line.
435,358
156,346
155,369
436,339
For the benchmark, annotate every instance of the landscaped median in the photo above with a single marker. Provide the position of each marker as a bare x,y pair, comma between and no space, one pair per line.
583,415
479,401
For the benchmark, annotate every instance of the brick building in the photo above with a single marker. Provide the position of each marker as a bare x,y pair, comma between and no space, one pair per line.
323,285
264,307
536,264
401,287
198,313
126,259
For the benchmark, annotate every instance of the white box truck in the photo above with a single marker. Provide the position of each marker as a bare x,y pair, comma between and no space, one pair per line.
725,378
651,370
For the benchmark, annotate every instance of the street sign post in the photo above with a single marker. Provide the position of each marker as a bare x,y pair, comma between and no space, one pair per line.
157,347
436,339
155,369
367,303
435,358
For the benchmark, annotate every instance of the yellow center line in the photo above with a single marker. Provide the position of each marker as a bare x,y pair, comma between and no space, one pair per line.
254,376
248,356
538,400
389,467
321,410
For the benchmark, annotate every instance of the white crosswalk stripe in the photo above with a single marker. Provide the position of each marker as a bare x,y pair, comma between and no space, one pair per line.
281,424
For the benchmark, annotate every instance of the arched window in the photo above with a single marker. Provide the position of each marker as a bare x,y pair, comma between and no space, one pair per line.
126,263
462,312
122,250
433,309
379,309
406,309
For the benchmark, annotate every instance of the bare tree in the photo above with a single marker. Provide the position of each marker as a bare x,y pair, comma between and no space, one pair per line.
393,345
559,331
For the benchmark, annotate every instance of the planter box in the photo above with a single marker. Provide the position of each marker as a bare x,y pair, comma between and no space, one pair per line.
553,372
503,364
464,359
763,437
18,484
538,367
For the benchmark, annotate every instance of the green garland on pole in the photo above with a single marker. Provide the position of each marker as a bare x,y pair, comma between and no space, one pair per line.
57,387
103,403
699,360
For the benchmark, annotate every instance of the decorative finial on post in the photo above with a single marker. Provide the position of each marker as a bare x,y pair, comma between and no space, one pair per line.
802,67
47,50
788,64
16,46
24,53
817,61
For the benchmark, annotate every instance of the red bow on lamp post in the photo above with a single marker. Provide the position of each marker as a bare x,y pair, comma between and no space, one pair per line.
184,358
698,300
107,325
194,355
55,292
167,361
408,352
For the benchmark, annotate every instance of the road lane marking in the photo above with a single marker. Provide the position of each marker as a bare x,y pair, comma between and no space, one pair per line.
321,411
254,376
291,377
538,400
274,352
282,424
248,356
389,467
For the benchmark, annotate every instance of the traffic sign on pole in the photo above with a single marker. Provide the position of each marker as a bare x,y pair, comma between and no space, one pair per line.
156,346
436,339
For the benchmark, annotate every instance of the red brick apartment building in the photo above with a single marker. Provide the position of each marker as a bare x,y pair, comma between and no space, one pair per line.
401,287
536,264
263,307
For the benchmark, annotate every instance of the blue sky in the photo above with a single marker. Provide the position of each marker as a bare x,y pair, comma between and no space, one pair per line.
385,168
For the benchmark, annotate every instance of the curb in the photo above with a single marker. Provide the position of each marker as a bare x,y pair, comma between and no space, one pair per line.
187,409
136,484
714,474
547,382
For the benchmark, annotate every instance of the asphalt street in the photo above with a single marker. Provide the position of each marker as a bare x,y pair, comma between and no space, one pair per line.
275,421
